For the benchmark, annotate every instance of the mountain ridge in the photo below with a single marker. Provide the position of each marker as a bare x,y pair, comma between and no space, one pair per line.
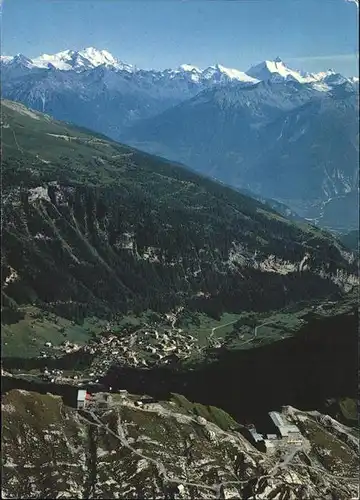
280,140
128,104
90,58
165,448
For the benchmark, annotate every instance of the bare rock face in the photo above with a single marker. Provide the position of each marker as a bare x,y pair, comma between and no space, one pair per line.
153,451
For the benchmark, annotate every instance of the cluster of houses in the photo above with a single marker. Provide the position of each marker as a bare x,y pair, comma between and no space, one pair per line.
66,347
145,347
52,375
285,434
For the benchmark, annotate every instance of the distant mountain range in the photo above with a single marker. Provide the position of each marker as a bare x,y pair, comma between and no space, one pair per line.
92,87
274,131
91,58
285,141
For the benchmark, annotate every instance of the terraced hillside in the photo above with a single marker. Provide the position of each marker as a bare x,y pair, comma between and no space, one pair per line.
92,228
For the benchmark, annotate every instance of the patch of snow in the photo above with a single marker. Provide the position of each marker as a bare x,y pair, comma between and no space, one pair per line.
321,87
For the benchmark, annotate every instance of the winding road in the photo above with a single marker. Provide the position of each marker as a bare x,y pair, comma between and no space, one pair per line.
217,487
160,466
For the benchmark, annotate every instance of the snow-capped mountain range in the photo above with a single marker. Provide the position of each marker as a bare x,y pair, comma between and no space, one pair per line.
80,60
91,58
282,133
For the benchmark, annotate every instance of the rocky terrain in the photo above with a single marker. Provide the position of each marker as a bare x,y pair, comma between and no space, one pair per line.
120,447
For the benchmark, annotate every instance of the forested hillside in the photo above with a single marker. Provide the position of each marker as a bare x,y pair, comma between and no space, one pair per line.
92,227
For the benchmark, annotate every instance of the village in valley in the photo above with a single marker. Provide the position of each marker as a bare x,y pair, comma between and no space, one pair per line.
145,347
160,343
148,346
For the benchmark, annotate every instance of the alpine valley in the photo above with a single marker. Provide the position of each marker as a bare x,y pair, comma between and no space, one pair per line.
165,334
279,133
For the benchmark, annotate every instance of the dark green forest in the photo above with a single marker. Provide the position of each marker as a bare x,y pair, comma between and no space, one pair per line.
94,227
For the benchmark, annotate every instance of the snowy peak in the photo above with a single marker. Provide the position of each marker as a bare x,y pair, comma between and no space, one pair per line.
219,73
189,68
277,69
322,74
18,60
98,57
6,59
91,58
188,71
87,58
212,74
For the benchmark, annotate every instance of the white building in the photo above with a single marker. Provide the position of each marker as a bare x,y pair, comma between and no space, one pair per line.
81,399
256,436
286,430
270,445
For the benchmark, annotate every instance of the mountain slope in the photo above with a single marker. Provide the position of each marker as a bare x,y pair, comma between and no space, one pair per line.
284,141
119,230
213,120
219,126
312,153
104,97
162,449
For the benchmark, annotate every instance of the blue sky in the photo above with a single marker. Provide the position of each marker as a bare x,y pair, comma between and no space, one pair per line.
308,34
